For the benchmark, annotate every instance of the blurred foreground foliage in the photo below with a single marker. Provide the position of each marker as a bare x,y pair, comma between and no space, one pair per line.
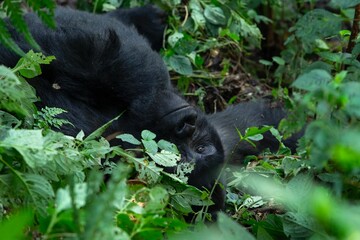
52,185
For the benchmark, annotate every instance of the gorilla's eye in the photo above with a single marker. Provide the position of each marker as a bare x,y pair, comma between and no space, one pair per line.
200,149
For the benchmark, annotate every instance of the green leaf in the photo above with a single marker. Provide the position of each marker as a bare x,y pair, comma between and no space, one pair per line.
174,38
324,24
128,138
180,64
231,229
99,219
147,135
158,200
214,15
168,146
312,80
165,158
16,225
265,62
124,222
150,146
279,60
344,3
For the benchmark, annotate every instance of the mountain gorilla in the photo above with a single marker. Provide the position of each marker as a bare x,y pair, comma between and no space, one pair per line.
107,65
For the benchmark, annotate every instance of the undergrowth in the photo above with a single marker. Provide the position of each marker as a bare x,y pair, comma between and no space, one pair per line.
52,185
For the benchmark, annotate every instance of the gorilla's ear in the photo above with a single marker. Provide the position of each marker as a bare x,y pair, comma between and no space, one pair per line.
149,21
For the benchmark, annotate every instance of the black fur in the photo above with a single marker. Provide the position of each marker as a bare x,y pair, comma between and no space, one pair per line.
243,116
106,65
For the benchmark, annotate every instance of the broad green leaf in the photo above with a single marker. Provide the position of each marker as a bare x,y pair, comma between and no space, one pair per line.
323,24
123,221
180,64
312,80
198,18
214,15
29,143
344,3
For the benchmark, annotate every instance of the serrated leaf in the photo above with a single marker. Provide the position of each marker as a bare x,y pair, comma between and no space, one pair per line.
165,158
312,80
128,138
38,190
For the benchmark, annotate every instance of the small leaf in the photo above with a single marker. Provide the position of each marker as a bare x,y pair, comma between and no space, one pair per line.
128,138
265,62
279,60
147,135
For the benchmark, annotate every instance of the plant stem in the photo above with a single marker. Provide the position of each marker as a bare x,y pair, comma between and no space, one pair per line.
354,30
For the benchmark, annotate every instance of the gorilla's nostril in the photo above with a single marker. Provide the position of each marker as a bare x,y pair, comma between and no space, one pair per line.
185,130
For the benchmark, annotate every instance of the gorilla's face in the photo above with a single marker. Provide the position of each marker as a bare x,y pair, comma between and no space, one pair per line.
198,143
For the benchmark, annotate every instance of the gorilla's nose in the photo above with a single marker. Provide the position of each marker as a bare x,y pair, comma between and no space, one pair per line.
180,121
186,124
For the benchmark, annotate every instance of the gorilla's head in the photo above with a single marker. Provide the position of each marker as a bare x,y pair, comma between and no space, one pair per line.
198,143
